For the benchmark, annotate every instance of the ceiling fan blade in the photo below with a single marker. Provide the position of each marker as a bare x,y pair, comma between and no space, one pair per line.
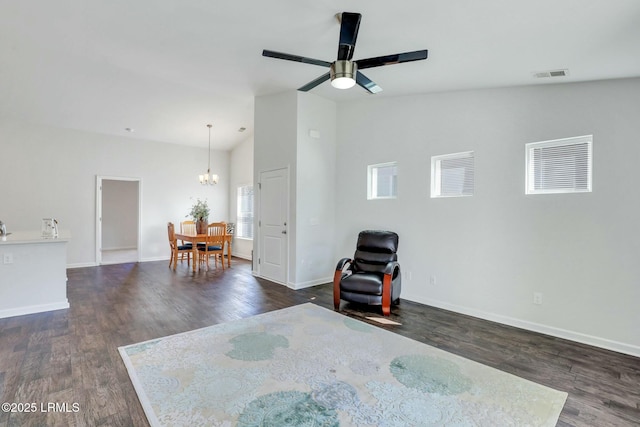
323,78
364,81
349,26
296,58
392,59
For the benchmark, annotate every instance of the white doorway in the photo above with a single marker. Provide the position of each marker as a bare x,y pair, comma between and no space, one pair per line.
273,219
117,220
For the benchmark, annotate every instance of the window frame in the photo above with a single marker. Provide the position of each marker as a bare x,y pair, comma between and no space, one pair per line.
372,183
530,164
240,214
436,174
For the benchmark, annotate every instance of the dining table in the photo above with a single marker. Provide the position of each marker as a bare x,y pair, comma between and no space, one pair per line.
194,239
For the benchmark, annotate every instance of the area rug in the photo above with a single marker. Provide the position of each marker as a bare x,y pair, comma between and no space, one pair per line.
310,366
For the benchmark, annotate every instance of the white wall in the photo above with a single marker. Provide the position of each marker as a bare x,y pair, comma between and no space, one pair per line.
315,183
275,148
282,139
489,253
241,173
51,172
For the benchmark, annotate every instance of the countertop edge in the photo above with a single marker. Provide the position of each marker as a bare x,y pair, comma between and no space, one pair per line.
33,237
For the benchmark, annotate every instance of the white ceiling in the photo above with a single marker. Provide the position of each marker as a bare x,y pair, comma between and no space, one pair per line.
168,67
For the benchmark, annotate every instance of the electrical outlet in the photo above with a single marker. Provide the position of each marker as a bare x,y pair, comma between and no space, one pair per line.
7,258
409,275
537,298
432,280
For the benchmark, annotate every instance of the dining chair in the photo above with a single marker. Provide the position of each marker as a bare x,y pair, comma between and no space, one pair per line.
187,227
177,249
214,246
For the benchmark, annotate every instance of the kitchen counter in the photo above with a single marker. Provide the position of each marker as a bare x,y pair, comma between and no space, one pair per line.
33,273
22,237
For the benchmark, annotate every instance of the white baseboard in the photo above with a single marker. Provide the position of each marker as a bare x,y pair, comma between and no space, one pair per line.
82,265
120,248
607,344
148,259
94,264
30,309
157,258
310,283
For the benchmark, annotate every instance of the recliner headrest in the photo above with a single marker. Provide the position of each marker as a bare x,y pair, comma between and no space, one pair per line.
378,241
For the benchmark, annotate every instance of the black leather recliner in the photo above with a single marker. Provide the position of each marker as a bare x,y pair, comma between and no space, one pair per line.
373,275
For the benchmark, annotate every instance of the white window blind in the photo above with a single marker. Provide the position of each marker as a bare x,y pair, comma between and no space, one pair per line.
453,175
244,226
559,166
382,181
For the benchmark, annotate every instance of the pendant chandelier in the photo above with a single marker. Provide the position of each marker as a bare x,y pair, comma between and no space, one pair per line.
209,178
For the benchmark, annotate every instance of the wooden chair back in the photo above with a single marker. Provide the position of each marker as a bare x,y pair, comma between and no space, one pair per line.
188,227
216,232
172,234
214,246
175,249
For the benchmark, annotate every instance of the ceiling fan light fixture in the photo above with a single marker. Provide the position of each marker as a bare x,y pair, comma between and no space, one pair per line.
343,74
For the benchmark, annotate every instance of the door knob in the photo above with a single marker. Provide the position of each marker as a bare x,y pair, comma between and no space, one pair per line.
284,231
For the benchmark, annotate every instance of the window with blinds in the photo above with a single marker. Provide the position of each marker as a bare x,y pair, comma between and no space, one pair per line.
244,222
452,175
382,181
559,166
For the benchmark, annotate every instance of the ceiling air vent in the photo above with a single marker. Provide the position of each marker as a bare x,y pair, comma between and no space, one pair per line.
551,73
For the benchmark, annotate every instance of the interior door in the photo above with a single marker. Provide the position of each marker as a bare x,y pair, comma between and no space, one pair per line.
274,202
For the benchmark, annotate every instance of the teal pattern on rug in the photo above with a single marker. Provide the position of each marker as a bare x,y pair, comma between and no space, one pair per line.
309,366
429,374
256,346
287,409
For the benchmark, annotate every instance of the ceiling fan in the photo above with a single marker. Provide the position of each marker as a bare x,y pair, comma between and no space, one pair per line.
344,72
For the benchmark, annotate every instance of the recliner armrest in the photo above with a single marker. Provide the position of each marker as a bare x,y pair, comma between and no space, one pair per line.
337,277
342,263
392,268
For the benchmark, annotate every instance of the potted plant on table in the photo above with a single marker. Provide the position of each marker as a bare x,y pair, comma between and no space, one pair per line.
200,214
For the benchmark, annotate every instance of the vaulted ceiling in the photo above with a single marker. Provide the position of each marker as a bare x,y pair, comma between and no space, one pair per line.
166,68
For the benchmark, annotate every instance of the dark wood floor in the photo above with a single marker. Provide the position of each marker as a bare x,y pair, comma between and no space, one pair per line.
70,356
